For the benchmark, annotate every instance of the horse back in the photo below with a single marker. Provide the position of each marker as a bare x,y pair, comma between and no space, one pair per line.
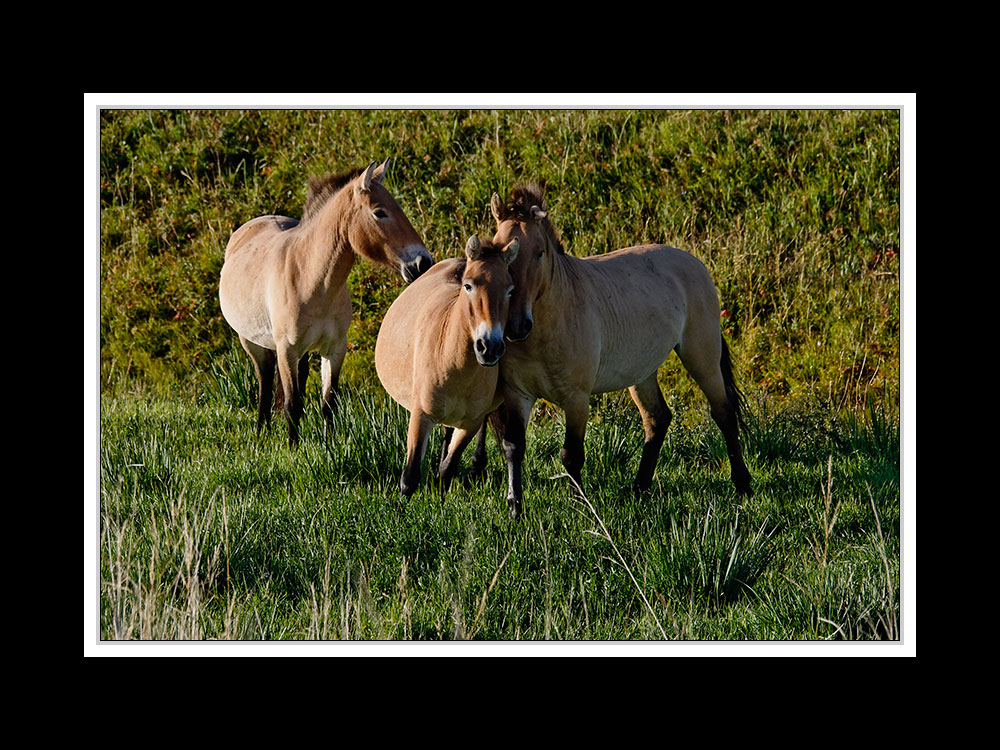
257,231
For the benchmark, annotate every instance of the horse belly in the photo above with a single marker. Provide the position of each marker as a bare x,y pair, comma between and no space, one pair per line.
394,351
618,373
627,359
463,399
642,299
244,306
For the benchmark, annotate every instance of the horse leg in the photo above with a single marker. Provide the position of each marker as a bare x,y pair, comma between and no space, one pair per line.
478,465
515,411
330,370
452,459
655,420
263,365
416,445
577,414
445,440
711,369
292,390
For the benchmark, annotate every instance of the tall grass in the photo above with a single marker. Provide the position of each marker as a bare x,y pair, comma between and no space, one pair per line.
209,532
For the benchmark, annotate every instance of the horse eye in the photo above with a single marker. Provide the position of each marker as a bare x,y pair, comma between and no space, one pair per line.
468,287
510,290
380,213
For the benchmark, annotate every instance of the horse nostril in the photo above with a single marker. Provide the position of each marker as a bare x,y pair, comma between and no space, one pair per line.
481,346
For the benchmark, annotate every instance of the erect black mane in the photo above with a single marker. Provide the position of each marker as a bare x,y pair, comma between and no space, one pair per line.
518,207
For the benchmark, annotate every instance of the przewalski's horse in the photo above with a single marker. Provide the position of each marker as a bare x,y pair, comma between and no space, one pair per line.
603,323
283,285
438,348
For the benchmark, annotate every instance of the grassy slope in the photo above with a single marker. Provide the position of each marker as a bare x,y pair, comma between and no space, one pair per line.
795,213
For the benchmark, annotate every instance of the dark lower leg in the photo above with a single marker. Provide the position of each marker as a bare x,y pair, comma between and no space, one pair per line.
648,399
651,453
729,425
330,407
416,446
479,456
452,459
265,390
572,457
445,442
264,361
293,413
288,377
513,449
572,453
330,371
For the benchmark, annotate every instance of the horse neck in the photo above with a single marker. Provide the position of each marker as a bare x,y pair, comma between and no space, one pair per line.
455,340
563,284
325,248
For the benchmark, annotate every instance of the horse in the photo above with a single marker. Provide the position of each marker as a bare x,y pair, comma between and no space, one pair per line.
580,326
438,348
283,283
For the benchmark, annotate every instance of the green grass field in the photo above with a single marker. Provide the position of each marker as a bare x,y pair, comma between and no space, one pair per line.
205,531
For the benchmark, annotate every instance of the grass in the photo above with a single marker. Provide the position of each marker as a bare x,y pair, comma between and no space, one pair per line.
210,532
206,531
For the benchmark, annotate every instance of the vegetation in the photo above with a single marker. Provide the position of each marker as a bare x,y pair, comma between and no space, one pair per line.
207,531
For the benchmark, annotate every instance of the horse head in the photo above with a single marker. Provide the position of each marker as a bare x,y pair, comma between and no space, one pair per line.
380,229
487,287
524,219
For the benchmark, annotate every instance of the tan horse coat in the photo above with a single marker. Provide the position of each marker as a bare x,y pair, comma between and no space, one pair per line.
580,326
438,348
283,285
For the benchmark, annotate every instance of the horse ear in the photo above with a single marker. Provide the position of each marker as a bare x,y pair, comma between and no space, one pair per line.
496,206
379,172
510,252
473,248
366,178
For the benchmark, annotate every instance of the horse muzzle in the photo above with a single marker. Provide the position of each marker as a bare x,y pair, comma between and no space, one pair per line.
417,264
518,329
489,350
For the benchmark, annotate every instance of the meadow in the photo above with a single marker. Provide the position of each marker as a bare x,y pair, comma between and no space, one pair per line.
206,531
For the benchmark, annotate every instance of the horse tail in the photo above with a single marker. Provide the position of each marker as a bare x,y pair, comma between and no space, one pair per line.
733,393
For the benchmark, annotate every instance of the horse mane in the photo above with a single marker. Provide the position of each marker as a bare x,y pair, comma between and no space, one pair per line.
322,188
522,198
487,247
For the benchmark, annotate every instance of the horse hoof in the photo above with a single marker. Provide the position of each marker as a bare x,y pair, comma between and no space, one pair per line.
638,488
513,509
